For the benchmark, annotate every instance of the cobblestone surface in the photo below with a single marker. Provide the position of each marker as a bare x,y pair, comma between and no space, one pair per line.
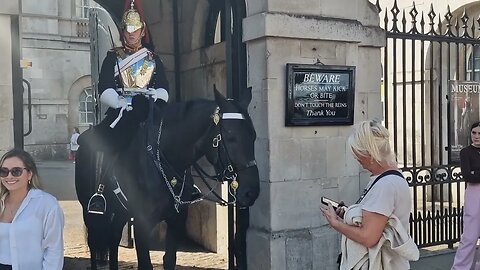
77,254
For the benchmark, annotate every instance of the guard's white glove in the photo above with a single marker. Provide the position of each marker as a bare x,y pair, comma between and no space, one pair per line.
158,93
111,98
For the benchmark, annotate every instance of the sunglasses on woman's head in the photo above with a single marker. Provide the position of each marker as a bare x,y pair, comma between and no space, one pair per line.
16,171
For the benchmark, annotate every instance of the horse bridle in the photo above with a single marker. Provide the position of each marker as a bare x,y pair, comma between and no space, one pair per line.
229,172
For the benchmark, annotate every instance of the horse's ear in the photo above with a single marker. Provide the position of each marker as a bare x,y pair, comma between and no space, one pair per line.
245,98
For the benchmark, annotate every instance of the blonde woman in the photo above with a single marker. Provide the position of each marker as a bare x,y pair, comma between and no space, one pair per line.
374,228
31,220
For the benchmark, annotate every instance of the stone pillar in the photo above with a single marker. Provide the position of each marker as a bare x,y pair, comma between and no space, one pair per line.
9,9
298,165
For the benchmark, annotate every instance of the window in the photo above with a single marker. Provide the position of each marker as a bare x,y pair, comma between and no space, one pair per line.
85,109
82,7
474,62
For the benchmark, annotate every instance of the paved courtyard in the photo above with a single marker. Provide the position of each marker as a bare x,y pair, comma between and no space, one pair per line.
58,179
77,256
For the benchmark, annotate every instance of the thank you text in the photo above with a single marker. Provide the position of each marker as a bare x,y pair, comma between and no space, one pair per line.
319,95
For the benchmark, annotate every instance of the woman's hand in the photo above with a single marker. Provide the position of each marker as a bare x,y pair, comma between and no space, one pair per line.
341,209
331,216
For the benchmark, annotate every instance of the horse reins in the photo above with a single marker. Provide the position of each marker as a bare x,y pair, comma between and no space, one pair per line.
229,171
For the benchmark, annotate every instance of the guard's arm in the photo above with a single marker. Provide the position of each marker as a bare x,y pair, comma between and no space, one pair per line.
106,78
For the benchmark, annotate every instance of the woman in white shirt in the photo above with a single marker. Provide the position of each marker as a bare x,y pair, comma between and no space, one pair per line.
31,220
384,207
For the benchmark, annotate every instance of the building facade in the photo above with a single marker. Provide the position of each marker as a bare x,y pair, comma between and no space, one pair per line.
55,40
9,28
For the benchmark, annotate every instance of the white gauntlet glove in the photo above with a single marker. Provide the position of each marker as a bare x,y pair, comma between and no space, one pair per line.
158,93
111,98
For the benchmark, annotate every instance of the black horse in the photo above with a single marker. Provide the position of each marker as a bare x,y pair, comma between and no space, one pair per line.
159,159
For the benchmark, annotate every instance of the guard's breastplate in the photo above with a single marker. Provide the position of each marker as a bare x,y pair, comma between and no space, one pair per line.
138,75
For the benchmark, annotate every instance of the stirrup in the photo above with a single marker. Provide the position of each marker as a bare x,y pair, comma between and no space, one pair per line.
97,203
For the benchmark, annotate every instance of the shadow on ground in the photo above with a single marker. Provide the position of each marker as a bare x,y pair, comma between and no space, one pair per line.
84,263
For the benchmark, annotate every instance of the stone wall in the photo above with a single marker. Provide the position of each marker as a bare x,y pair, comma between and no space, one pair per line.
7,9
298,165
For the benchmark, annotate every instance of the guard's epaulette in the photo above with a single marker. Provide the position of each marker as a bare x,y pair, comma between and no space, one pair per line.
119,51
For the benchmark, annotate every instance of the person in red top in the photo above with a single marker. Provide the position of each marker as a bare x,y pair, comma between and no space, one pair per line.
470,165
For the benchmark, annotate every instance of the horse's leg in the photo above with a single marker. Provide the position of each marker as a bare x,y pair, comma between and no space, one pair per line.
116,233
93,252
93,259
175,233
142,245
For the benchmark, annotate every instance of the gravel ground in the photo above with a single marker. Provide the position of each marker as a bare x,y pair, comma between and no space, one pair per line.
77,255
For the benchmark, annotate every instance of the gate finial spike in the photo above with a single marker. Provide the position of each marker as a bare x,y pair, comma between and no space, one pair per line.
478,23
377,5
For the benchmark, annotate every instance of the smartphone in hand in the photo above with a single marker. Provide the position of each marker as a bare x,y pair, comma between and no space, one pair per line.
326,201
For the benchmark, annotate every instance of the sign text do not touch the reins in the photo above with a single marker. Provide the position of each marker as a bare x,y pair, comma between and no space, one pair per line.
319,95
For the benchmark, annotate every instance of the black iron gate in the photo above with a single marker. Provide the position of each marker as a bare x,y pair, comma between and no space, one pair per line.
424,53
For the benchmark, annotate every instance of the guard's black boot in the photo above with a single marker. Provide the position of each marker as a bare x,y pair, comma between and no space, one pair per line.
97,204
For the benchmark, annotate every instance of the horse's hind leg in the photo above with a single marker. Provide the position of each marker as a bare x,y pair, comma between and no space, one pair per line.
175,233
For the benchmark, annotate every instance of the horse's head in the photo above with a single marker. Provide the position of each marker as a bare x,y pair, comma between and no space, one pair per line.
233,154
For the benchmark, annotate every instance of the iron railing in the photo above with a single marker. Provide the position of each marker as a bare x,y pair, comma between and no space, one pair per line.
437,210
423,53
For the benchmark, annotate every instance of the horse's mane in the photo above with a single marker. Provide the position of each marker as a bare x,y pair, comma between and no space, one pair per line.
182,110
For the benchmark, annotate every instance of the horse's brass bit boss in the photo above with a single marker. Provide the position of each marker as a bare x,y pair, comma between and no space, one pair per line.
234,185
216,116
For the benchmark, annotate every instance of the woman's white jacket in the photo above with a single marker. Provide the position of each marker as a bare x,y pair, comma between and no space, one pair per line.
394,244
36,233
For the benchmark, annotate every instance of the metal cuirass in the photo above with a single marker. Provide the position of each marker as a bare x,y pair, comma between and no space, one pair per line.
138,75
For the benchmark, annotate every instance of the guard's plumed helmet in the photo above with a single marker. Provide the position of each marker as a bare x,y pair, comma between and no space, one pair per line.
132,21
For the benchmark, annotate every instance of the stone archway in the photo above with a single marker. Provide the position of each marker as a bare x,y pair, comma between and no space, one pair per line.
178,30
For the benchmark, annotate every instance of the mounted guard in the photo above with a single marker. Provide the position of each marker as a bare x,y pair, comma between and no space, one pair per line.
132,80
